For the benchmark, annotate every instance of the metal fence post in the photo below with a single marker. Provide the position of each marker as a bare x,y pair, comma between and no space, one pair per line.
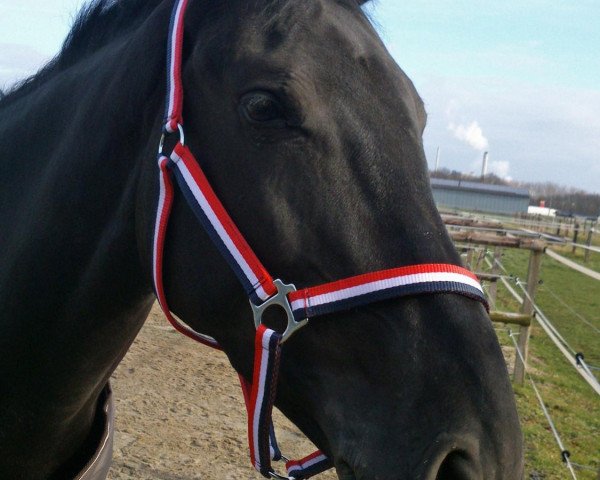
533,276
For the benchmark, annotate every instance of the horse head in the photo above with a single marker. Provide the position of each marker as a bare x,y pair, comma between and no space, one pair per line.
311,136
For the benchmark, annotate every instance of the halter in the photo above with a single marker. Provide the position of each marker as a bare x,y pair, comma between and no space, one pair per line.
262,290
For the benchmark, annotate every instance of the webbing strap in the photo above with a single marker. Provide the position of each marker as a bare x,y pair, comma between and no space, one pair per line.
174,102
383,285
165,203
267,350
209,210
259,397
309,466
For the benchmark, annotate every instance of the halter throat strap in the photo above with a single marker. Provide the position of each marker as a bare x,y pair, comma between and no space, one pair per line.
261,288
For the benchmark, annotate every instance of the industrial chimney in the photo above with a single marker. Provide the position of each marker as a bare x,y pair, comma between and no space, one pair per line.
484,166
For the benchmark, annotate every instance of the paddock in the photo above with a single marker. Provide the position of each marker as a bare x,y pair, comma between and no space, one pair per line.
559,411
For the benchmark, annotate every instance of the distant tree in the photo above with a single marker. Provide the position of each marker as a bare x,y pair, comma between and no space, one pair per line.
490,178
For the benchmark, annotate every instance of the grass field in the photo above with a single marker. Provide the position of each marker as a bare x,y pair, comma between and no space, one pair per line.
571,301
579,256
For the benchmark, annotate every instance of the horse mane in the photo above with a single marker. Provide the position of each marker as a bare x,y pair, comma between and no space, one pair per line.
98,23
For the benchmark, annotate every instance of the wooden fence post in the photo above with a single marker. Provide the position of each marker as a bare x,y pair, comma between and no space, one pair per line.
533,276
575,235
589,244
469,259
493,288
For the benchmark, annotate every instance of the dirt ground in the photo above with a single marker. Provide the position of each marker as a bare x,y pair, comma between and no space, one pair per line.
180,413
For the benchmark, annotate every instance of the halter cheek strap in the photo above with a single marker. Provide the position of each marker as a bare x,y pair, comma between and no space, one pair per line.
262,290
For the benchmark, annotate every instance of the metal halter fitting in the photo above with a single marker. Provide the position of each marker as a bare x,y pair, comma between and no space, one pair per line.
281,300
161,144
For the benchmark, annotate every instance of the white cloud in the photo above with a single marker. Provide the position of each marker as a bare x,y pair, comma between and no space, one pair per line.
471,134
545,133
500,168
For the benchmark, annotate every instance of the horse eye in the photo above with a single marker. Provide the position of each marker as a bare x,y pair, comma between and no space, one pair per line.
261,108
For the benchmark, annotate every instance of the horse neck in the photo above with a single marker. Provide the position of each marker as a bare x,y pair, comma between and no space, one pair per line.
74,148
72,287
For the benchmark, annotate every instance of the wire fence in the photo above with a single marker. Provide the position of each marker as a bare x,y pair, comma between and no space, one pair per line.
576,358
570,309
564,453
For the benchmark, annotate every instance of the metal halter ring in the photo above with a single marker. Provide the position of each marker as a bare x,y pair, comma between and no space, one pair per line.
280,299
161,144
276,476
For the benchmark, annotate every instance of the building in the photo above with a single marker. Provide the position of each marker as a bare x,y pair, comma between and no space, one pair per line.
481,197
542,211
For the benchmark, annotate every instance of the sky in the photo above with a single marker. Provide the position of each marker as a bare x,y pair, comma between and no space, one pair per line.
520,79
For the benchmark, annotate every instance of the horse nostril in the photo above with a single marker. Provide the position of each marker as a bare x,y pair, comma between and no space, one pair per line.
457,466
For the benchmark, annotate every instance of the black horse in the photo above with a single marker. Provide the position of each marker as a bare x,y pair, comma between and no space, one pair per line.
311,136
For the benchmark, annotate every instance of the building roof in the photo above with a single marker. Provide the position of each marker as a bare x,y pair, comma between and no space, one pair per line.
502,190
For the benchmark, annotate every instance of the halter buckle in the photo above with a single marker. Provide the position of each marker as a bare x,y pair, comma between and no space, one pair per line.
280,299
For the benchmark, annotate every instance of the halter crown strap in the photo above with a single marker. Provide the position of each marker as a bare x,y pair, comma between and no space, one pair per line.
259,285
174,103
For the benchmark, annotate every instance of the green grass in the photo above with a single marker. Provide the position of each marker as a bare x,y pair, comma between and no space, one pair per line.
593,262
573,405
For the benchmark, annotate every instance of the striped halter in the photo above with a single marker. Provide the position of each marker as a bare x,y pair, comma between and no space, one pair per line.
263,291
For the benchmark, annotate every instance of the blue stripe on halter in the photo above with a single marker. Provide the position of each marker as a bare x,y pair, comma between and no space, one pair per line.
214,236
413,289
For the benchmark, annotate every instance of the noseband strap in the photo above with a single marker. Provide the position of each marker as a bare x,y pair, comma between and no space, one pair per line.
260,287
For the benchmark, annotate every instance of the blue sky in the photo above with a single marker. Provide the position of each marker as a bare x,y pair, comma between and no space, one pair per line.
520,79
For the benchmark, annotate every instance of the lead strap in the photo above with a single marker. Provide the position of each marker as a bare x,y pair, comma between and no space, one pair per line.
261,436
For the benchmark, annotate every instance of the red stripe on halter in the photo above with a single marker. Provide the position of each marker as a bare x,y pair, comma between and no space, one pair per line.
264,279
251,406
160,235
378,276
175,114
